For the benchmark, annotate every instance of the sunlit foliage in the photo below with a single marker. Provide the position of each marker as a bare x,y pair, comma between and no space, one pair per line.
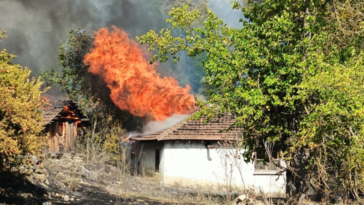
20,112
293,75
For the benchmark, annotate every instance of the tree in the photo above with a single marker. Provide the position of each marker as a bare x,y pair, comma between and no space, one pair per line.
191,69
20,112
293,76
91,93
201,5
75,79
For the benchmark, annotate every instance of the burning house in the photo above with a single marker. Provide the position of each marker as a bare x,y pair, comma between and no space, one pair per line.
191,153
61,123
188,152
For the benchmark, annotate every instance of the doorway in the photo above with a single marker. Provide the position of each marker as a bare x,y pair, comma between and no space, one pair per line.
157,160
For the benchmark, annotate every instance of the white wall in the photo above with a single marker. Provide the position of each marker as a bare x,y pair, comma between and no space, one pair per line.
192,163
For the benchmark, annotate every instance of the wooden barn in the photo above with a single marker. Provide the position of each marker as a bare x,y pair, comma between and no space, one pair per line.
61,123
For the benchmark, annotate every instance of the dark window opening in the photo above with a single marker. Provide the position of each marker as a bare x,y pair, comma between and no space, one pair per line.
262,164
138,168
132,162
157,160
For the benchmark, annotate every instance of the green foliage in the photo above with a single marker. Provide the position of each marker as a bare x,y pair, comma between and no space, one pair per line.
112,142
201,5
102,142
187,70
293,75
75,79
20,112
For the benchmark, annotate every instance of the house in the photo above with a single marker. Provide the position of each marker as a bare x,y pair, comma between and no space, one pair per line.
194,153
61,123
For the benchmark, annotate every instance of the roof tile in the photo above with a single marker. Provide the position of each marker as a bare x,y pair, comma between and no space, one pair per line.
196,130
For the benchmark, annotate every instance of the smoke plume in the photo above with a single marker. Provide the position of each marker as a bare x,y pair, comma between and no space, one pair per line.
36,28
223,9
155,126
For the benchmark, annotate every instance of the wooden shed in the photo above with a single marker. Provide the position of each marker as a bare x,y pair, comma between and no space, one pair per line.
61,123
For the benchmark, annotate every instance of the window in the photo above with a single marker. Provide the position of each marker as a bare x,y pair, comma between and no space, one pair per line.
157,160
268,166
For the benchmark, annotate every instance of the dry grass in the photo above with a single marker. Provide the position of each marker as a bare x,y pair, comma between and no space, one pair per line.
154,188
74,181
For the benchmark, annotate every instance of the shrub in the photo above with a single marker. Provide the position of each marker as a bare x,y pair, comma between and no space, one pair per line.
20,112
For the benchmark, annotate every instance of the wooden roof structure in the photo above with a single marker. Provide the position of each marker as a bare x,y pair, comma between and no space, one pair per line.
51,114
55,113
61,124
196,130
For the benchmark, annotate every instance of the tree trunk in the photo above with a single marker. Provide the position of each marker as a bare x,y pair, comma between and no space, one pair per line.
297,180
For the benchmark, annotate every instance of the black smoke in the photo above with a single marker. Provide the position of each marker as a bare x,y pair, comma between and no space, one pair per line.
36,28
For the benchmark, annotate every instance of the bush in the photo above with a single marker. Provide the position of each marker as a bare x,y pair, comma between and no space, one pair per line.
20,112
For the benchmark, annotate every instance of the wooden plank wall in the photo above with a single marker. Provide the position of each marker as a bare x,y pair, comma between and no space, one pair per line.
56,137
70,137
61,137
53,141
50,139
67,137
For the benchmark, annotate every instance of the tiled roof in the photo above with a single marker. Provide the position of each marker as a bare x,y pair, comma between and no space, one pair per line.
196,130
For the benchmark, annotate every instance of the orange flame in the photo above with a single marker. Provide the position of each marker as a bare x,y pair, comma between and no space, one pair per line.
135,85
47,106
46,99
68,114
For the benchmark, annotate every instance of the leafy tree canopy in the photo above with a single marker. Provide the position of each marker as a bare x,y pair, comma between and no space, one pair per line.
20,112
292,76
74,80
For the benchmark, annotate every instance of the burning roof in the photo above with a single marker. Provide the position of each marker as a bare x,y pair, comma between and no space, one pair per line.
196,130
67,110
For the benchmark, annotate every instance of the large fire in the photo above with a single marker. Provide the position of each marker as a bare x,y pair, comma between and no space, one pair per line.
135,84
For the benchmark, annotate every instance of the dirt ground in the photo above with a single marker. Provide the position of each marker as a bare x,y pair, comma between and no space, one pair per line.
105,187
12,189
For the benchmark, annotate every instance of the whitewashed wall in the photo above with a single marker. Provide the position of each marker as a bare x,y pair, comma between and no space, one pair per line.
192,163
